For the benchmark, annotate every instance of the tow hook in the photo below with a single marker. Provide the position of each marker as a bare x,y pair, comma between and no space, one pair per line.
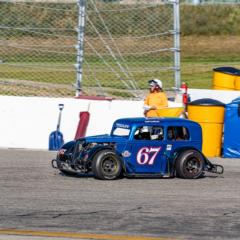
216,169
54,163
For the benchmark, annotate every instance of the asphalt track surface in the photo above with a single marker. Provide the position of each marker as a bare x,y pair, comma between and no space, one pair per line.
37,202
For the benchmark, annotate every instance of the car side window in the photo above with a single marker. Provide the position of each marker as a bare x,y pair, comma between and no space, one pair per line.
177,133
149,133
142,133
157,133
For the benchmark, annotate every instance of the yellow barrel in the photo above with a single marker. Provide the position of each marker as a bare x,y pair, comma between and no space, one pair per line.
170,112
209,113
237,83
224,78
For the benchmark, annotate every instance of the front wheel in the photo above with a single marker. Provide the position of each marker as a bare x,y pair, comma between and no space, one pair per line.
189,164
106,165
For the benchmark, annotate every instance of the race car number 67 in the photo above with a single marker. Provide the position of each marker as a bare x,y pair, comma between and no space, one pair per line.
147,155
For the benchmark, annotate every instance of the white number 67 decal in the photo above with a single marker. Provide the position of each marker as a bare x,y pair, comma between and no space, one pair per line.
147,155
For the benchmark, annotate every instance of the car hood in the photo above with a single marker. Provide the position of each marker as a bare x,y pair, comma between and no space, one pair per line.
104,138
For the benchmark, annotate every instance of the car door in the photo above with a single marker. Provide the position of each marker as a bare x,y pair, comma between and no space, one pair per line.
146,151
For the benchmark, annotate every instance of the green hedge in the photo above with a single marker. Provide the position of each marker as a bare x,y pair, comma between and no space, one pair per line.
210,20
195,20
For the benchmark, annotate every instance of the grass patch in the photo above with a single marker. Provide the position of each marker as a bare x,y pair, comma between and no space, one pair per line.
199,55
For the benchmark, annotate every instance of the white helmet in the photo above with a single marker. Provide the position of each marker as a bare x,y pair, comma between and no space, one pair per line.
156,82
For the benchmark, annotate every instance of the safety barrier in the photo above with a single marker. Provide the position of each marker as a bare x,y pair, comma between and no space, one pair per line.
26,122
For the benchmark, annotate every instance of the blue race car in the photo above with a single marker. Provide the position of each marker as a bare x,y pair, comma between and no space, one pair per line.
139,147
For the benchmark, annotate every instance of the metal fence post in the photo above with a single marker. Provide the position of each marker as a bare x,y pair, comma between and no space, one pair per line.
80,43
176,20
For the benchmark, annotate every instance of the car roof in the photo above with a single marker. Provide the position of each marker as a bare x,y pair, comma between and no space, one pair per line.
150,121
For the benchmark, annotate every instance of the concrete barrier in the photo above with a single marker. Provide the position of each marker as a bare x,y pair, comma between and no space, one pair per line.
220,95
26,122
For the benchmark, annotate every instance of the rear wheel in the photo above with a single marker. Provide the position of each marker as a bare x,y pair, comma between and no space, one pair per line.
106,165
189,164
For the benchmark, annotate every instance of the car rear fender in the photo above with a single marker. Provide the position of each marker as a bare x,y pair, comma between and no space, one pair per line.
178,151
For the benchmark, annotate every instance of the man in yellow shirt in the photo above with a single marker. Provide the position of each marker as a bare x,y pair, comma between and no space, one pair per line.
155,99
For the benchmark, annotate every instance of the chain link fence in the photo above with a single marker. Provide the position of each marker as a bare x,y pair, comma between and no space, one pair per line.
37,50
125,44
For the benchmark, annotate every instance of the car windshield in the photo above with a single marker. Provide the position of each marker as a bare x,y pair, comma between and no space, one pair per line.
121,132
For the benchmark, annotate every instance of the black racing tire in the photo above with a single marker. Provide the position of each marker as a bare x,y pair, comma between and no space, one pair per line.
189,164
106,165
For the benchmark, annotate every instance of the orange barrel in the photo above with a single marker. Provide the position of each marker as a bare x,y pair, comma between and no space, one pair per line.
209,113
224,78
